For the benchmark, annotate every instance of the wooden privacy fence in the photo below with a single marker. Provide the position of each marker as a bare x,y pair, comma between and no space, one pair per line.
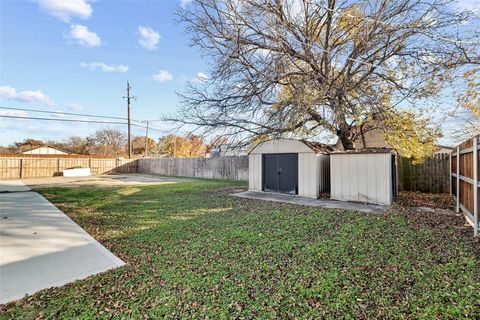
37,167
433,175
232,168
50,156
465,177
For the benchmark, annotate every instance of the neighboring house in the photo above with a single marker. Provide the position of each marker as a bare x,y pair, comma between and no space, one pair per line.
44,150
443,149
227,150
367,137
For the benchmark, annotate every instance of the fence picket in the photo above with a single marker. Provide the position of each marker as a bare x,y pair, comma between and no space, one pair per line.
232,168
464,174
429,176
39,167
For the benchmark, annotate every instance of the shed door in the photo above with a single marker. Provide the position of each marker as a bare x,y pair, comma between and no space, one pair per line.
280,173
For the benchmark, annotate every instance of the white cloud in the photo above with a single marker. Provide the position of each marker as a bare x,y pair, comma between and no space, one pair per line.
162,75
65,10
149,38
7,92
75,106
83,36
104,67
470,5
27,96
13,113
185,3
201,77
59,115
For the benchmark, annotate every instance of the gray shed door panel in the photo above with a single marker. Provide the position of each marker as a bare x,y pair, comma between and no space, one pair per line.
280,173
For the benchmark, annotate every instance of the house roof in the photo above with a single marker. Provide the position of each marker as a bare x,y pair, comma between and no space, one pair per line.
444,146
45,146
318,147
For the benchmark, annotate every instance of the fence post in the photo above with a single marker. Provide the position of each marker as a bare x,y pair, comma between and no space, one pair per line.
399,167
21,168
450,184
457,195
475,186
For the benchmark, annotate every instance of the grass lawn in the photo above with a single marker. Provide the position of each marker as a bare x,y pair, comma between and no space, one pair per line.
193,251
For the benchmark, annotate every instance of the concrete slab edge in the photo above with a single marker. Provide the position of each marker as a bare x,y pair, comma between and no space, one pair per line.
263,196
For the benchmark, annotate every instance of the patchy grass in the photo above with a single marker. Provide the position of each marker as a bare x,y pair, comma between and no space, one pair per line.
193,251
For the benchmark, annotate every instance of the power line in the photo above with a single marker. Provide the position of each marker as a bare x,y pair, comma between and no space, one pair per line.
154,120
79,121
67,113
154,129
65,120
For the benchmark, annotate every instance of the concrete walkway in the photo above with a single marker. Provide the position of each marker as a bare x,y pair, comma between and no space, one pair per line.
323,203
40,247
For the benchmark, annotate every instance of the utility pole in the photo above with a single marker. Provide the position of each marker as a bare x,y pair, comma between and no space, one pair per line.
146,140
128,97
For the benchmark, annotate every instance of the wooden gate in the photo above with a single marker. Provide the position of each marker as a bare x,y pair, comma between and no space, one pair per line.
464,179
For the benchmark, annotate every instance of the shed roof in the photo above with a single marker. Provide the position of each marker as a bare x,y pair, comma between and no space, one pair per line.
291,146
365,150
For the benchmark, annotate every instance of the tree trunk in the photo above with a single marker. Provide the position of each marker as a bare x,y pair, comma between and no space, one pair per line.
345,138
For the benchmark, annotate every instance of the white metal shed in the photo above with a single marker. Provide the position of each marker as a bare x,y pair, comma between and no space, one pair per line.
290,166
366,175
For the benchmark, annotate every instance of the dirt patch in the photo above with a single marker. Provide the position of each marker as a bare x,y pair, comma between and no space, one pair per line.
104,181
430,200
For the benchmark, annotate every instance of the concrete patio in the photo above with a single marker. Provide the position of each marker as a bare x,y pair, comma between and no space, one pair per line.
100,181
323,203
41,247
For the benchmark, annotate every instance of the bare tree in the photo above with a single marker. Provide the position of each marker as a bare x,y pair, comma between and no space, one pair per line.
77,145
110,140
465,125
19,147
73,144
300,67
